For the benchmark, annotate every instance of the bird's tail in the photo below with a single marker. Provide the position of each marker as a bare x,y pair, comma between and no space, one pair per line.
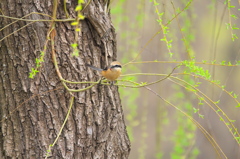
94,68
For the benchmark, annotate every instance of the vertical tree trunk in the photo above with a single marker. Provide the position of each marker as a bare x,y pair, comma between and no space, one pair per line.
32,111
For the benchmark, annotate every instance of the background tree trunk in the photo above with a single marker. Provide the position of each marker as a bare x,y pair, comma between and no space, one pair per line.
33,110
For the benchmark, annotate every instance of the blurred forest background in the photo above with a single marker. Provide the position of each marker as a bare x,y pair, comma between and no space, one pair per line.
205,34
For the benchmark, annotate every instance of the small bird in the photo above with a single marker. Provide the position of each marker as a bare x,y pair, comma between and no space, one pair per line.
112,72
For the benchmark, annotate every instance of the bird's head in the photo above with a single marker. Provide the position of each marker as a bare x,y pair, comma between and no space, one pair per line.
115,65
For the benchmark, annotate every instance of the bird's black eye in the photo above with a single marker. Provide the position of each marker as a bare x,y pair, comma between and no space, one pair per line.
116,66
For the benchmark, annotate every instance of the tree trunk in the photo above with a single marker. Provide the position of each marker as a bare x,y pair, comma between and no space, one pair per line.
32,111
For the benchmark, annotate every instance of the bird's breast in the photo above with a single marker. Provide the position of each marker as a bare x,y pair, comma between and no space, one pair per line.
111,74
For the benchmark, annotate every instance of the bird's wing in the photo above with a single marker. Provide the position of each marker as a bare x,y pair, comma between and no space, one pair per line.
94,68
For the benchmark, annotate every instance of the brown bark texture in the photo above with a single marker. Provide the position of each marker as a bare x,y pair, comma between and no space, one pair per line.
32,111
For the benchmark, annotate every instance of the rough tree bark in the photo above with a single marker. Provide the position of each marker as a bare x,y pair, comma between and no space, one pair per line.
33,110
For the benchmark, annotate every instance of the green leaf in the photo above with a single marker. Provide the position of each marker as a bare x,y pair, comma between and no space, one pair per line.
74,23
223,62
223,87
34,71
78,8
81,1
74,45
31,75
232,121
201,116
78,29
75,52
81,17
42,53
231,6
195,110
235,95
37,60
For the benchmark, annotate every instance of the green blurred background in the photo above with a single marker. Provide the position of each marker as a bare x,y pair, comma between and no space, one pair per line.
199,32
